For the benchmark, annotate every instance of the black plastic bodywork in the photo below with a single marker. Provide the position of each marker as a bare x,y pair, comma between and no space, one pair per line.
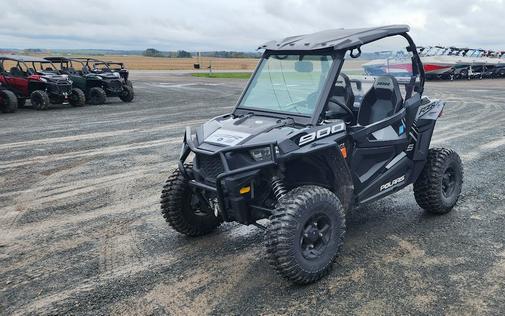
348,160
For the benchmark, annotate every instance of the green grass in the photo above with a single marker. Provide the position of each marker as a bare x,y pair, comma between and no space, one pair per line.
231,75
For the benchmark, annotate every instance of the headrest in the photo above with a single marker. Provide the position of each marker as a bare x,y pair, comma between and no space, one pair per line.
385,82
342,81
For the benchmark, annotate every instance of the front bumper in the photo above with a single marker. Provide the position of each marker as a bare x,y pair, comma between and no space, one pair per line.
113,87
233,206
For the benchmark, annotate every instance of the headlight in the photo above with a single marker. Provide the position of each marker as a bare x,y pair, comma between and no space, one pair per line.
116,74
70,81
43,79
99,77
261,154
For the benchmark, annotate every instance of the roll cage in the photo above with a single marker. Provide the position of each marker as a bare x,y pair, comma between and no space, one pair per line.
335,43
24,62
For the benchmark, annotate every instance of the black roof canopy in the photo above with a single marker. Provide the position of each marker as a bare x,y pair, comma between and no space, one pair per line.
57,59
336,38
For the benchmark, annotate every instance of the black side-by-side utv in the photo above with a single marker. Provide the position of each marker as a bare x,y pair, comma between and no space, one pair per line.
300,150
110,83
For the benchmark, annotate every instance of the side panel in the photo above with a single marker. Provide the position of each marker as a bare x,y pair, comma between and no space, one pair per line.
18,84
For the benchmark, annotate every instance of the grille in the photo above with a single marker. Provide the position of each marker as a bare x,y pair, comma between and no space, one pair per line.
60,87
66,88
115,85
210,166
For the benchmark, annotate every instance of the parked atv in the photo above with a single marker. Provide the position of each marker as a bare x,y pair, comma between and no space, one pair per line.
8,100
111,82
297,150
114,66
36,79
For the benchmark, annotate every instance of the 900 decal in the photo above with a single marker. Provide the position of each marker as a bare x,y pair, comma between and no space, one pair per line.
330,130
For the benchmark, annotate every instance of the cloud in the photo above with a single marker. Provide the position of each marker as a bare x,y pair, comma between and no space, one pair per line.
237,25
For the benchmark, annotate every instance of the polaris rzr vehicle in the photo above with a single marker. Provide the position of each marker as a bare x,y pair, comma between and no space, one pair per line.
299,151
111,82
36,79
94,85
114,66
8,100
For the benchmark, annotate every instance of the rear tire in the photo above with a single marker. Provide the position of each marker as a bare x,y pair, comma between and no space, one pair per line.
438,187
40,100
96,96
9,101
77,97
305,234
127,94
181,208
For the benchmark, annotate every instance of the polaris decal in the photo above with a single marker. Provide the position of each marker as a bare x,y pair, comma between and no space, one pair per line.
330,130
227,138
431,111
390,184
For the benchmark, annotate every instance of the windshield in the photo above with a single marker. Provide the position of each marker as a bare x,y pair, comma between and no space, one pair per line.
288,84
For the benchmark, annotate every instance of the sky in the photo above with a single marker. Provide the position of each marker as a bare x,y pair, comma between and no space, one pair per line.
199,25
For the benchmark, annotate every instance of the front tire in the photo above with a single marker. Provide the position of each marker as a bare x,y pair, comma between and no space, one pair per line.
127,94
77,97
9,102
305,234
182,209
40,100
438,187
96,96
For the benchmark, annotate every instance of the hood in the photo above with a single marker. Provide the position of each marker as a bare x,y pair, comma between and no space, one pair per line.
52,76
105,75
250,130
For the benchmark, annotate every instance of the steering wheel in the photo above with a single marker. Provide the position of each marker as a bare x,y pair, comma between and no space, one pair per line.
343,106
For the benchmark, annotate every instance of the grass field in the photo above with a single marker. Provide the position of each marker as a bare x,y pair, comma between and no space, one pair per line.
161,63
134,62
232,75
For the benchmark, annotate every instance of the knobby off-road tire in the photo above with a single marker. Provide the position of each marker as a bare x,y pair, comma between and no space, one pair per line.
438,187
77,97
40,100
127,94
96,96
9,102
305,234
178,208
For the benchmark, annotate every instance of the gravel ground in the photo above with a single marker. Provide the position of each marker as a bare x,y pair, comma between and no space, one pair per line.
81,231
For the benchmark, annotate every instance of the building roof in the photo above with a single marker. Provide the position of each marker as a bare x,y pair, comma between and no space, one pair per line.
335,38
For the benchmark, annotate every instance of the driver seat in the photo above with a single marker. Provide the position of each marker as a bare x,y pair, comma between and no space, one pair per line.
16,72
342,93
381,101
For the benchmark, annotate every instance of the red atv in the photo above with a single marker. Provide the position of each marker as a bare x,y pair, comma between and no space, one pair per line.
38,80
8,100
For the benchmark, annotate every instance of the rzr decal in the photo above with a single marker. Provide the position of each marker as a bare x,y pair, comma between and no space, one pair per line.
330,130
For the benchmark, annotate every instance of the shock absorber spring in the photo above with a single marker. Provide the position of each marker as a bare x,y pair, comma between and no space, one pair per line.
278,188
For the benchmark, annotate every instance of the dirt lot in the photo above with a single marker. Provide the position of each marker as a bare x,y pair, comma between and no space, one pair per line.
81,231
